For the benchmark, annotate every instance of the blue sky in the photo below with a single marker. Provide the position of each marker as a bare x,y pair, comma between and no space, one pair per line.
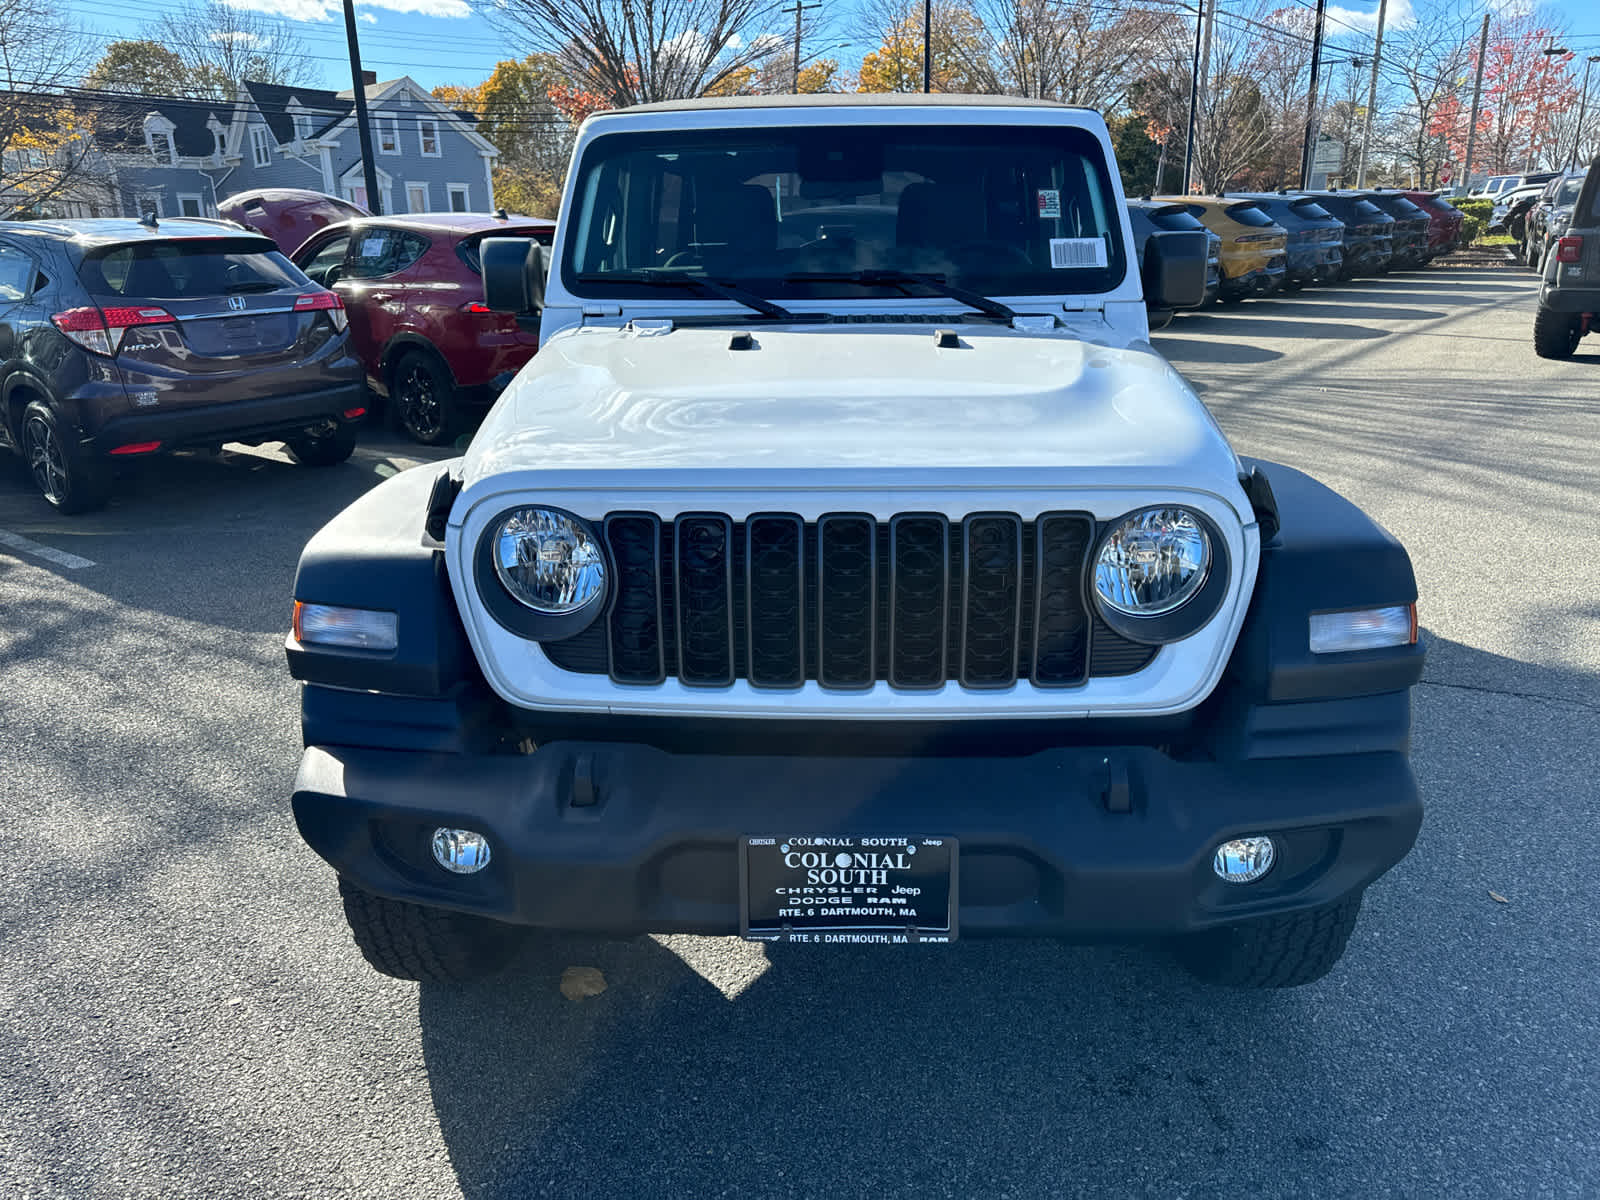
441,41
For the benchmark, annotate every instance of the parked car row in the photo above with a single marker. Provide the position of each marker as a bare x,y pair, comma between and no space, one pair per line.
1543,220
287,321
1267,241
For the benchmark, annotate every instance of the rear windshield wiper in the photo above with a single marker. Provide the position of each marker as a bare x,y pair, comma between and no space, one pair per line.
904,279
715,287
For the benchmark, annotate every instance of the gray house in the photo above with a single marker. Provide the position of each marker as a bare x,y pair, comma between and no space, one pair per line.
180,157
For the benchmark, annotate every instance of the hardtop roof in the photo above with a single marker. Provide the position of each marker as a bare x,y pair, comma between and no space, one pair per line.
846,100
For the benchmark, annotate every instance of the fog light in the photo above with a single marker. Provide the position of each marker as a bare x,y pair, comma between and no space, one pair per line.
1243,860
460,851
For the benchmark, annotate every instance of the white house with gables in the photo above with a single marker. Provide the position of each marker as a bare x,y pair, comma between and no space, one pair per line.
180,157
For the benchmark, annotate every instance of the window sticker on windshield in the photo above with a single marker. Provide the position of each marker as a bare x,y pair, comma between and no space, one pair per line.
1066,253
1049,204
372,247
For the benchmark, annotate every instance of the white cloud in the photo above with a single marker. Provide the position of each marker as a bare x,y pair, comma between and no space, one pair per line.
328,10
369,18
236,36
1399,16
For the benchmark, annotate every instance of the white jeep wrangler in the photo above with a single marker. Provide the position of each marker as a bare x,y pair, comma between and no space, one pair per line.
847,567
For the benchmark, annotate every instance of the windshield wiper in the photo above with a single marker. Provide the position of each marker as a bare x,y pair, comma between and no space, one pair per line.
901,280
715,287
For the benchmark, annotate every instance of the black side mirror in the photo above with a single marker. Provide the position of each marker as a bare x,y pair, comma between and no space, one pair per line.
1174,269
514,271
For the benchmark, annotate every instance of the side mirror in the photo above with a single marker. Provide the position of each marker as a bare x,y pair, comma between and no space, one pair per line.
1174,269
514,271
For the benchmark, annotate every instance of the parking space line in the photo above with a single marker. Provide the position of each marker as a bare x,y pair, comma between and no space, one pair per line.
49,553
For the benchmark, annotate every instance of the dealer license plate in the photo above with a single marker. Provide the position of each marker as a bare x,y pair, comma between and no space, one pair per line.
848,889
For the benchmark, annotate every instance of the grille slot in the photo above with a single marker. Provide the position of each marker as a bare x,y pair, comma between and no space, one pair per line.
919,600
635,645
991,608
1060,624
704,592
775,588
847,601
915,601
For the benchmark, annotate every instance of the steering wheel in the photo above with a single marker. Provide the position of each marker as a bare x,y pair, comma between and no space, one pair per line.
683,258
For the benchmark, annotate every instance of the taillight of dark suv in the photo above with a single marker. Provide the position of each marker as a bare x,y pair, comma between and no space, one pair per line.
137,338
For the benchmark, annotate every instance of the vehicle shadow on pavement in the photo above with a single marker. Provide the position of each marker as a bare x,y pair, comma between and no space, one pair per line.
1299,309
183,527
1240,324
1035,1068
1234,353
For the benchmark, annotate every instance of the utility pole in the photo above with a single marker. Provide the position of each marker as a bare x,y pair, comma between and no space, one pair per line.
1194,95
1311,97
1477,95
1583,106
798,9
927,45
363,127
1372,97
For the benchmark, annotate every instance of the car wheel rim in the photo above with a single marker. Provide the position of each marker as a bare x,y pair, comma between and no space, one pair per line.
46,460
418,404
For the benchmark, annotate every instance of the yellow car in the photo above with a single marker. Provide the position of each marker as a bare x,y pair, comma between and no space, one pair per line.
1254,247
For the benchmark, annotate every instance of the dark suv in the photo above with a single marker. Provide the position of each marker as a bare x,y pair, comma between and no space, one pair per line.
1569,297
414,291
121,338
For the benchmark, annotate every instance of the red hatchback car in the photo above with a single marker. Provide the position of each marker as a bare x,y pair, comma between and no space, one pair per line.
413,289
1444,221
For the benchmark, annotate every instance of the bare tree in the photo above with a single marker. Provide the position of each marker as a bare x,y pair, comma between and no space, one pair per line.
46,150
221,45
1426,71
1075,51
636,51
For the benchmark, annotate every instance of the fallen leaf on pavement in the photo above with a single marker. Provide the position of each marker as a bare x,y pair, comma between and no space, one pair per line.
1495,896
579,983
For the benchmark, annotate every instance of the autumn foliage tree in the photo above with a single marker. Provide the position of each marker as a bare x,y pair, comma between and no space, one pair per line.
46,148
959,54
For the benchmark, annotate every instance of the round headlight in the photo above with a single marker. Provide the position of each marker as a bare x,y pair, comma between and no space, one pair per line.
549,561
1152,562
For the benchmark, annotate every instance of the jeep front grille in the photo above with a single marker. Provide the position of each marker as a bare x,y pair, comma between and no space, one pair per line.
848,601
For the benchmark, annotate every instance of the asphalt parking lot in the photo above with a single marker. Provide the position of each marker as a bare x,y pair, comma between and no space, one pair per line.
186,1015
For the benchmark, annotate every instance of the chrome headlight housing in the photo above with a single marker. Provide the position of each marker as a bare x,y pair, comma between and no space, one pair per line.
542,572
1159,573
549,561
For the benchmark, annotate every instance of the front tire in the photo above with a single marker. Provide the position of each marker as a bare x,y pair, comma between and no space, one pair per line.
429,945
1556,335
422,399
1272,952
323,450
69,479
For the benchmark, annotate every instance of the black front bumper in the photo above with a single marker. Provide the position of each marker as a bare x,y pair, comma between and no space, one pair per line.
266,419
626,838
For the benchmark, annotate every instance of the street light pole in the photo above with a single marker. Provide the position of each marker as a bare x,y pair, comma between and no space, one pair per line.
363,126
1194,95
1372,97
1583,106
927,45
798,9
1311,98
1477,96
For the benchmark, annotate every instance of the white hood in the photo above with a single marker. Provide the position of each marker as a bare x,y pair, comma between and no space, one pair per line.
847,401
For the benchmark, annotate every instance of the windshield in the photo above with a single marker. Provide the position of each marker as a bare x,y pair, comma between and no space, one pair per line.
785,212
1175,218
1568,195
1311,210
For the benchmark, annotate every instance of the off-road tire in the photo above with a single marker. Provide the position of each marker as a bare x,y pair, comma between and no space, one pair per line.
430,945
325,450
66,475
1556,334
1272,952
422,399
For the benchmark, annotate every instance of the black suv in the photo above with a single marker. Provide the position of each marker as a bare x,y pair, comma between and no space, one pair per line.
121,338
1547,219
1569,297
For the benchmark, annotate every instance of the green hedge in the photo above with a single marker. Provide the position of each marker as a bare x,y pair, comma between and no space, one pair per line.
1478,212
